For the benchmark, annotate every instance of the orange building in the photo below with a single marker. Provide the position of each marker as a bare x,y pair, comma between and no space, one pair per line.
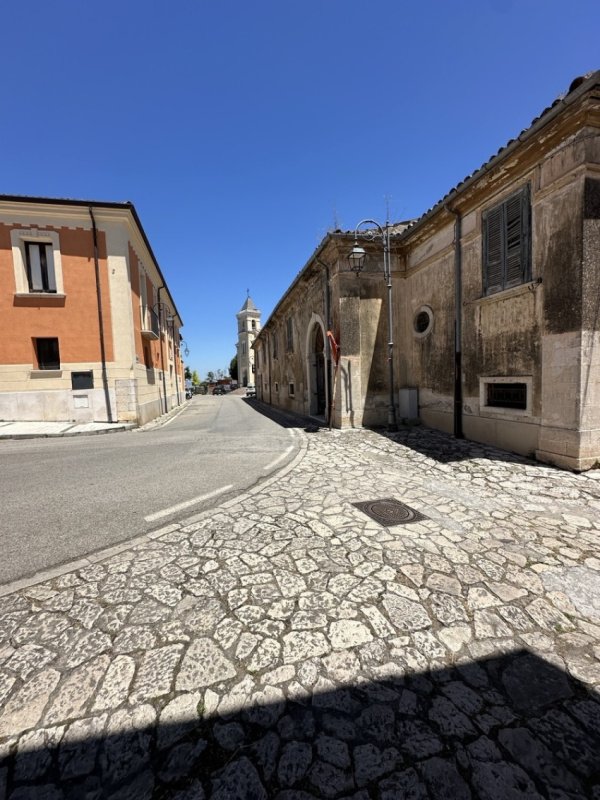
89,329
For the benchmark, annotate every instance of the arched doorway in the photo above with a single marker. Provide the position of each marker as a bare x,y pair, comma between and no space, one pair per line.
318,398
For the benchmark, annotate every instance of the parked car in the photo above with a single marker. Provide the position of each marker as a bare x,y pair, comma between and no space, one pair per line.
250,391
219,390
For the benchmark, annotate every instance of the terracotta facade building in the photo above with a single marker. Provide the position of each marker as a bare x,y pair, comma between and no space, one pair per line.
90,331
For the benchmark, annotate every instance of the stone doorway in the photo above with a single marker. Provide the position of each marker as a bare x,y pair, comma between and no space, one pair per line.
318,398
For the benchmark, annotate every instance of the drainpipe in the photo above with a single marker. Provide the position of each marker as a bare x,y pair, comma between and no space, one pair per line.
458,394
100,319
268,348
175,359
162,350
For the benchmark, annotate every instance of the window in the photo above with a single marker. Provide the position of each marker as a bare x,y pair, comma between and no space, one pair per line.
276,386
40,267
253,324
422,322
291,389
507,395
37,261
290,335
47,353
507,243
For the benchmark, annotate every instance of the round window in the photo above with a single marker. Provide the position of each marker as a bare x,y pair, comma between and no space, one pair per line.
422,321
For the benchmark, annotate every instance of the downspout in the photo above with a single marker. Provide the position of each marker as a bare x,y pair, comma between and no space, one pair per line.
175,360
458,393
100,319
162,350
269,361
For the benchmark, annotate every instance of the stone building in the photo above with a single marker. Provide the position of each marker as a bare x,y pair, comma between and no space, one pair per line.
90,331
495,305
248,319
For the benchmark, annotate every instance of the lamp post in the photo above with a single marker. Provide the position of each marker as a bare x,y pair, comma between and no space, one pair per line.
356,260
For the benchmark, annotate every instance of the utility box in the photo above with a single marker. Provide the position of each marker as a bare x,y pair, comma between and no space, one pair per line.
408,403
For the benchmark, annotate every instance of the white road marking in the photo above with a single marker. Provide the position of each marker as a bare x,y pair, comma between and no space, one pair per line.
180,506
270,466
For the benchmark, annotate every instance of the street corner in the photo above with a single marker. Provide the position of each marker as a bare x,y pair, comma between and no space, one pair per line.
290,644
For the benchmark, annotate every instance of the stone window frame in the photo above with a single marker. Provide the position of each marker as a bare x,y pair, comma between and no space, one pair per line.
291,389
19,237
499,411
422,310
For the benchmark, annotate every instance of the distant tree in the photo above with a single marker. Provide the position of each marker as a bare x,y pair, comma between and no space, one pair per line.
188,374
195,378
210,376
233,370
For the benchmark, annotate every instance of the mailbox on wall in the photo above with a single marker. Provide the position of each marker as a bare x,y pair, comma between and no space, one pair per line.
82,380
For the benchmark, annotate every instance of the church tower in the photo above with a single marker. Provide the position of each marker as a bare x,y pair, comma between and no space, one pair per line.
248,318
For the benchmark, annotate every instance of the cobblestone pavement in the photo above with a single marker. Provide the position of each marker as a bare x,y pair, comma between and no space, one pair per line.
287,646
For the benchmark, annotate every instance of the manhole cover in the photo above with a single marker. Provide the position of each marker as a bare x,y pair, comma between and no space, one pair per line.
389,512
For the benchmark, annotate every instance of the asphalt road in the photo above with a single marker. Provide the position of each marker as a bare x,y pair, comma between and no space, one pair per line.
62,499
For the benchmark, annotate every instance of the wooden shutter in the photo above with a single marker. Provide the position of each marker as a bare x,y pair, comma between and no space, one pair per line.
493,229
514,240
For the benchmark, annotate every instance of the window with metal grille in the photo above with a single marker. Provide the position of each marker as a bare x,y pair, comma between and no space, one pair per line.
40,267
507,395
47,353
507,243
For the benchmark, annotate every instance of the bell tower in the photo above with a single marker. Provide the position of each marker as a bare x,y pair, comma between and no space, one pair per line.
248,319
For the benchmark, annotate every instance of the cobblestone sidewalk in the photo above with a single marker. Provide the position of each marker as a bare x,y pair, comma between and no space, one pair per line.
287,646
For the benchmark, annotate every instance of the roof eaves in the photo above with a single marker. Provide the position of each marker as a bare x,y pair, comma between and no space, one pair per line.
126,205
577,88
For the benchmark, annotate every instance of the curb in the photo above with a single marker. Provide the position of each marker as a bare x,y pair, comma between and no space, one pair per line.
147,538
67,434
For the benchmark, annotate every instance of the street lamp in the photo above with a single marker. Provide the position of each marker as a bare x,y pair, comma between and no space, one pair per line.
356,260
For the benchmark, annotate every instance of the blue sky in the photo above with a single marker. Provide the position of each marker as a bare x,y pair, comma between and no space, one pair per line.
243,130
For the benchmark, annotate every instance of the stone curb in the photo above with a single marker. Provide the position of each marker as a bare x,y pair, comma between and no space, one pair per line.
68,434
146,538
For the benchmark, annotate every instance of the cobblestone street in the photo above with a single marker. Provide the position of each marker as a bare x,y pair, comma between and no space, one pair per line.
288,646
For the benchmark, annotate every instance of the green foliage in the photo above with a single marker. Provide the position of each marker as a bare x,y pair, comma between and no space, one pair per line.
188,374
195,378
233,368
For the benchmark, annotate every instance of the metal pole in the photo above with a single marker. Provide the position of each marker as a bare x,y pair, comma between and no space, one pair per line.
175,364
392,423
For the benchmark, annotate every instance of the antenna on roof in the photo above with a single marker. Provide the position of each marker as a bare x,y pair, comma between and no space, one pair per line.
336,220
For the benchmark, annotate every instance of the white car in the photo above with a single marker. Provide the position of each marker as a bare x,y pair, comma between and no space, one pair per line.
250,391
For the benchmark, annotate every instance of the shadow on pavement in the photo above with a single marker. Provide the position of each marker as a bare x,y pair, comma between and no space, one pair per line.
286,419
439,446
506,728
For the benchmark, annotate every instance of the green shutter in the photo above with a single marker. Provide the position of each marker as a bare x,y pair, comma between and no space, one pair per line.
507,243
493,228
514,237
